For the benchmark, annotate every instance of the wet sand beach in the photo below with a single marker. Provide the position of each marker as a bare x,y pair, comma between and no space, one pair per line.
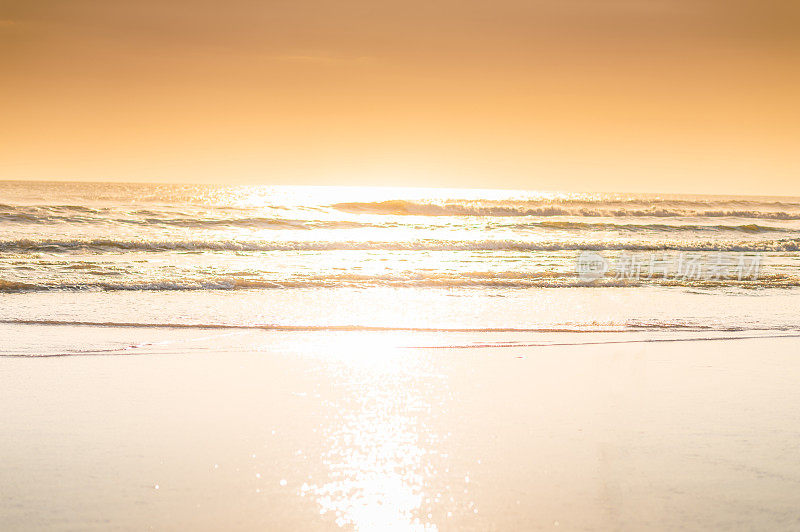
361,430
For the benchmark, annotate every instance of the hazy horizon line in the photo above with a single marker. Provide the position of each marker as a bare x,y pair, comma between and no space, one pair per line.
400,187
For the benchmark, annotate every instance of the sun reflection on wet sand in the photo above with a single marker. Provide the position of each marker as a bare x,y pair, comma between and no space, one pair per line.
385,463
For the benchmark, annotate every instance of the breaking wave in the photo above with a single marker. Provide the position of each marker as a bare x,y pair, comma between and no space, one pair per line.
155,219
462,280
606,209
110,245
660,228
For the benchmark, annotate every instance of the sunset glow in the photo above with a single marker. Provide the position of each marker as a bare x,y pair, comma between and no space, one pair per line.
643,95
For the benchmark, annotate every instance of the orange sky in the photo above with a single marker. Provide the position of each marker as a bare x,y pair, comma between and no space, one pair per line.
628,95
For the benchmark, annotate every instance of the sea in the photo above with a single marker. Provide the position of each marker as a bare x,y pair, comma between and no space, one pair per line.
511,264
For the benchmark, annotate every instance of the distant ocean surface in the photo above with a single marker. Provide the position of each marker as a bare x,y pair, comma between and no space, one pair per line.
339,257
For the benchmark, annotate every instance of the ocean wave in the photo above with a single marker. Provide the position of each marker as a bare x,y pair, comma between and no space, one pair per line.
647,209
661,228
17,286
110,245
313,216
466,280
186,221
